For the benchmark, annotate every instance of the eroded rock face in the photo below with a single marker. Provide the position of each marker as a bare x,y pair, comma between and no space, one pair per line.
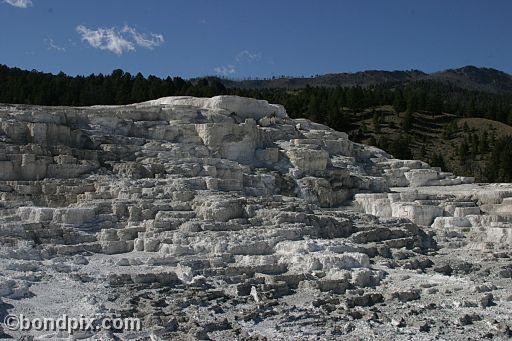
205,217
484,211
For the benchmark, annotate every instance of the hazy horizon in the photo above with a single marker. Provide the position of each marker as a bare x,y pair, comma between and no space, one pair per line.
256,77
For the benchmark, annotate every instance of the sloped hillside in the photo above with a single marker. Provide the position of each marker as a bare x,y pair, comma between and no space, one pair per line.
460,145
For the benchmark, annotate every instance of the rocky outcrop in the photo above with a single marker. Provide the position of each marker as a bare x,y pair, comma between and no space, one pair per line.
483,211
228,105
227,208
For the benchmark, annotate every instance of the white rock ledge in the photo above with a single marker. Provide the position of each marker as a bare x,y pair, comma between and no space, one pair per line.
242,106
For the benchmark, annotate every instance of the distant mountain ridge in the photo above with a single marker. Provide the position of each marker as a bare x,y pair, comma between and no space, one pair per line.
474,78
467,77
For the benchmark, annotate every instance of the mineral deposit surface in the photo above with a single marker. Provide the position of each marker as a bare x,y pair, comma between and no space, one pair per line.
224,219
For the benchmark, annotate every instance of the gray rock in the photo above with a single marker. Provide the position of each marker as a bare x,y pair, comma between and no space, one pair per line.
224,218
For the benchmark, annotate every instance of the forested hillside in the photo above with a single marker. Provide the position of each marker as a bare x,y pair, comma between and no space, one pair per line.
423,118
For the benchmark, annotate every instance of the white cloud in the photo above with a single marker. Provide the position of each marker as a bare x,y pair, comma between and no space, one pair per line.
225,70
241,57
19,3
246,56
53,46
148,41
105,39
119,41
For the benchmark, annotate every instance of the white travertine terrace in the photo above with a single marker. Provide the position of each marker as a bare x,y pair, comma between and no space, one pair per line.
162,208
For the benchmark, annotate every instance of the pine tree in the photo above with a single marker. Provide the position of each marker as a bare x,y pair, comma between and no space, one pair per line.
423,152
376,123
399,104
466,127
139,91
475,143
412,102
484,143
437,160
407,121
463,152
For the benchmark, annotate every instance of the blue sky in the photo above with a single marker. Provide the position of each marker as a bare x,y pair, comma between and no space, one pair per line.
262,38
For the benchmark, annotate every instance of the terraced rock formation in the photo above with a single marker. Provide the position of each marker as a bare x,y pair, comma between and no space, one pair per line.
224,219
